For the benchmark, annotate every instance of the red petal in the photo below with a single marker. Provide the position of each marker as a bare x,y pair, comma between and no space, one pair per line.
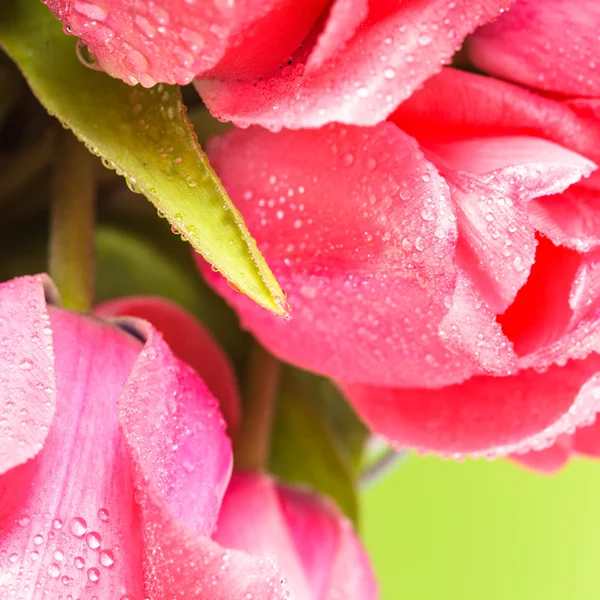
172,41
586,440
356,74
66,515
192,343
548,460
485,415
460,104
358,229
182,462
27,385
551,45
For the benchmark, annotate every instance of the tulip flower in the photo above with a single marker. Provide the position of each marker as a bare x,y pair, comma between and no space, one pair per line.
446,278
279,63
114,463
312,544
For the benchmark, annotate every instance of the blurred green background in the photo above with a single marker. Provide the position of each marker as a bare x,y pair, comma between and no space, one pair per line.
441,530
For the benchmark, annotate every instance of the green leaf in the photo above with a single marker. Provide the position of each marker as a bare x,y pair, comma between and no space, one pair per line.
146,136
304,448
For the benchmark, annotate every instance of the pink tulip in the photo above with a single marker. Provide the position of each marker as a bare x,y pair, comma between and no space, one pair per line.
447,279
279,63
114,462
314,545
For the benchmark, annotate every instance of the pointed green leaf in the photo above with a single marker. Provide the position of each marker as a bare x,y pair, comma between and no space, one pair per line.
146,136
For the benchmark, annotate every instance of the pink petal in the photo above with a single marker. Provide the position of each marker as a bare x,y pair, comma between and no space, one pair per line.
251,520
460,104
192,343
318,529
68,521
551,45
27,385
358,228
313,544
182,461
492,180
570,219
485,415
172,41
354,73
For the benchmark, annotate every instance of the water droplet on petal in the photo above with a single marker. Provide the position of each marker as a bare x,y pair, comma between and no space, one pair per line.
78,527
107,558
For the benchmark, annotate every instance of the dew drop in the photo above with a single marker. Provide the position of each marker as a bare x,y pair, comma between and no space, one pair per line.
86,58
93,574
14,557
93,539
26,365
107,558
53,570
78,527
57,524
389,73
38,539
79,562
103,513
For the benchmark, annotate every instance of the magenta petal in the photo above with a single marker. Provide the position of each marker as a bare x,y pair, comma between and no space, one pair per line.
192,343
68,521
355,74
27,384
486,415
182,462
551,45
586,440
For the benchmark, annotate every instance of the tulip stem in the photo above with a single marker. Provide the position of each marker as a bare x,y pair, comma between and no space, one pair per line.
253,442
72,220
384,463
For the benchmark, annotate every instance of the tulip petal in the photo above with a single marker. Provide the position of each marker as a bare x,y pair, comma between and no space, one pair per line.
548,460
191,342
335,563
251,520
570,219
27,384
485,415
459,104
173,41
68,516
360,228
357,76
182,462
551,45
586,440
492,180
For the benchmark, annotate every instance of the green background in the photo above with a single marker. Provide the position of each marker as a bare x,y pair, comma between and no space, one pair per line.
441,530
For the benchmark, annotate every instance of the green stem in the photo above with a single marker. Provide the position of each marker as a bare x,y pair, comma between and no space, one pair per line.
253,442
71,260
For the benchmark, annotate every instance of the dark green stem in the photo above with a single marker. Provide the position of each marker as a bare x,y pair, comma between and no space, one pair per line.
71,260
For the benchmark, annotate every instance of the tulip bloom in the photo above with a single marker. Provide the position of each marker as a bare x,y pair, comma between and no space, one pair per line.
279,63
447,278
114,459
